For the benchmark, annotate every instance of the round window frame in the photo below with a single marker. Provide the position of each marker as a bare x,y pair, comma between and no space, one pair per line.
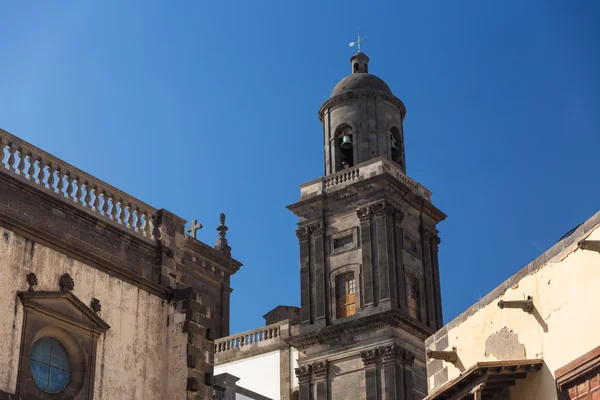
77,357
62,347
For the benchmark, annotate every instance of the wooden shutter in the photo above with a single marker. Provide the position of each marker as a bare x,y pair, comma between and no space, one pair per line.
346,295
585,388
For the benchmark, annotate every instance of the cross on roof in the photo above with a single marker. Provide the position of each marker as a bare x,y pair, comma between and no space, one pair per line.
195,227
358,42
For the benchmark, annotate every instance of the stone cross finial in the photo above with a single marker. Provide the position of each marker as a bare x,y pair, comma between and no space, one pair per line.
358,42
195,227
222,244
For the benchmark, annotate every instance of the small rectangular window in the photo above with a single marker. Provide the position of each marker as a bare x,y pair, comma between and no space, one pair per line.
343,242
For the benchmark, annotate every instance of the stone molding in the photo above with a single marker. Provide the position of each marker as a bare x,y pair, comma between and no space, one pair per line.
320,369
303,373
302,233
317,228
394,352
383,209
369,357
350,95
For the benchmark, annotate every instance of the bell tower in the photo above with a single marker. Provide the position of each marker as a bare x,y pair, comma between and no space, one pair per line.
369,276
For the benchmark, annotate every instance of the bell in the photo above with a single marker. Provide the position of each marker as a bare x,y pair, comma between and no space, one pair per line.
394,145
346,142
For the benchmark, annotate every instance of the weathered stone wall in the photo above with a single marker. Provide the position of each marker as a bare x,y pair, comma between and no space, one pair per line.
563,283
132,360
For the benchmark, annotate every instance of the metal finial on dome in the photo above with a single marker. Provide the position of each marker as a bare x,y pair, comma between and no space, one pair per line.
358,42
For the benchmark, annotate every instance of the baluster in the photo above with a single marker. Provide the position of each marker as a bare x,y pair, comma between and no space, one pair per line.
50,180
129,216
144,225
31,170
88,194
151,227
11,157
120,212
96,201
61,181
21,166
105,204
139,227
114,210
69,187
78,190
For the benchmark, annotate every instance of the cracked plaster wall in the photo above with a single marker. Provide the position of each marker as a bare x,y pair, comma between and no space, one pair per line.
131,355
561,328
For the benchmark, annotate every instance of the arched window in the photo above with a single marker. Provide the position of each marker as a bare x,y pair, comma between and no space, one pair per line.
397,147
345,148
345,295
412,293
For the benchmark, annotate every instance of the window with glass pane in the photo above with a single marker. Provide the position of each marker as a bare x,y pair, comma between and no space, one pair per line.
50,365
413,297
346,295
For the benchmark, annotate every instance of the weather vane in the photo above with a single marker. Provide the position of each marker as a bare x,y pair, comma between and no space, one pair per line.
358,42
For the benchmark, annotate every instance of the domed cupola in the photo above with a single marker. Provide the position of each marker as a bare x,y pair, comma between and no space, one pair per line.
362,120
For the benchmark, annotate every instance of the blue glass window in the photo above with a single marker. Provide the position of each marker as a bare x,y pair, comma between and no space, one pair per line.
50,365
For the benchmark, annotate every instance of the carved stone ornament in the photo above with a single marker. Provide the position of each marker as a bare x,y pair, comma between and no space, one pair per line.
303,373
399,215
171,227
389,353
408,356
364,214
369,357
435,240
302,233
320,369
66,283
317,228
32,280
382,209
96,306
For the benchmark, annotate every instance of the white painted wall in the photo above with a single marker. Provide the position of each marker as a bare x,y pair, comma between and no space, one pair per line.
242,397
294,365
259,373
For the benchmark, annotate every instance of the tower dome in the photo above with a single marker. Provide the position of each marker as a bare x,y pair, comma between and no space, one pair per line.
362,120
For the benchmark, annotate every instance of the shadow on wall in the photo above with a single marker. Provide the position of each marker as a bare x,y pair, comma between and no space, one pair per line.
538,385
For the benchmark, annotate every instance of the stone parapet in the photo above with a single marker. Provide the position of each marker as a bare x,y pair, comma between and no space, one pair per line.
251,343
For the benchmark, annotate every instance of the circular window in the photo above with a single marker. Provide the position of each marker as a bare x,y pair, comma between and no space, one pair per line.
50,365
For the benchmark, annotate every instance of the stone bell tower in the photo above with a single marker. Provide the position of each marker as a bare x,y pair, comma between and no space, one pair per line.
370,287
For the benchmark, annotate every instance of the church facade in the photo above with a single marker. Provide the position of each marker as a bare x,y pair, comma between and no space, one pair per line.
103,296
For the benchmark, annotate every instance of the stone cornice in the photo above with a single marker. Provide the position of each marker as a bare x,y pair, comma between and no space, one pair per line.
361,324
314,206
342,98
202,249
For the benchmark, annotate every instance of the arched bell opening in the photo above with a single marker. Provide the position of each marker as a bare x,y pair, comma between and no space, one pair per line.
397,148
344,146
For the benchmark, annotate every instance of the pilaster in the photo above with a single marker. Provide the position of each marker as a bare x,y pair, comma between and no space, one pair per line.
369,358
428,277
305,302
400,272
317,231
303,374
386,271
435,242
364,216
320,371
396,375
170,249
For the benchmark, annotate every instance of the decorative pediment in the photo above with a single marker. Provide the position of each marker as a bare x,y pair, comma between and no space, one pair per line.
66,307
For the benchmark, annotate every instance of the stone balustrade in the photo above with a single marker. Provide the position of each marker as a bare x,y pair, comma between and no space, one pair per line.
51,174
359,172
261,337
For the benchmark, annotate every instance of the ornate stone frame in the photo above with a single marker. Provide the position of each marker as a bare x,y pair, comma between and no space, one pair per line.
354,268
62,316
352,231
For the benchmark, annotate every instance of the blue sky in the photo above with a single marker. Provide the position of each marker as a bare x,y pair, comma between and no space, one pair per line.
207,107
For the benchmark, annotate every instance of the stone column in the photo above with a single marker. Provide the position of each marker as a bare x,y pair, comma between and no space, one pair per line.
435,242
364,216
320,371
400,272
369,358
318,250
386,268
303,374
303,234
392,374
428,284
408,359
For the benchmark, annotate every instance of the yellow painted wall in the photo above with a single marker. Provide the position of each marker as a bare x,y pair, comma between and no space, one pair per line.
564,325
